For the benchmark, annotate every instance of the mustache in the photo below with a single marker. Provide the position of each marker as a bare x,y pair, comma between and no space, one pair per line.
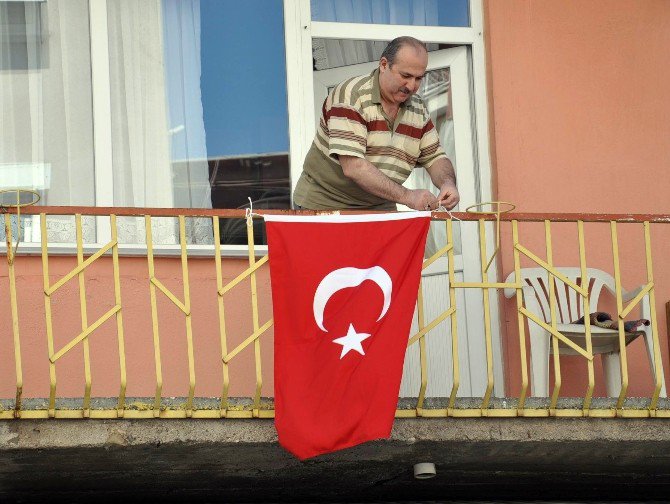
404,90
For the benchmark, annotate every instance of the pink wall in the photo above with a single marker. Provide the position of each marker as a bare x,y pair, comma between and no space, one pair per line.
579,108
138,329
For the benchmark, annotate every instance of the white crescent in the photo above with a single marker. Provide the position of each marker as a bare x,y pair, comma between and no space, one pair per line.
350,277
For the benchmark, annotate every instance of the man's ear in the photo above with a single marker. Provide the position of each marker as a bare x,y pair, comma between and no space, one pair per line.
383,63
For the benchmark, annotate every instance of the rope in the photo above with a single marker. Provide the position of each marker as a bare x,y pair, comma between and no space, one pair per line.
249,213
4,209
444,209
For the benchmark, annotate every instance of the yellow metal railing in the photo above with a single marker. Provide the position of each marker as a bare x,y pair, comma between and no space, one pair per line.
225,406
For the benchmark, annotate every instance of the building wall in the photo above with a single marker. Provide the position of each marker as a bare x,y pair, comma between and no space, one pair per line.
138,329
579,107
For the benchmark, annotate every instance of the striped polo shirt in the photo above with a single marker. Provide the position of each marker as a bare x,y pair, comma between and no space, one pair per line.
353,123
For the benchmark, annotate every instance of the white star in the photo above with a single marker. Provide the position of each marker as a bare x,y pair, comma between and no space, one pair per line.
352,341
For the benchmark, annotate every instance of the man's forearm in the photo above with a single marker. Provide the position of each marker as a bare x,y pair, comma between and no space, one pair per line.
442,172
368,177
372,180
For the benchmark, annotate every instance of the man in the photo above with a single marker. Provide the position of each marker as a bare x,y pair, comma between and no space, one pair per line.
373,131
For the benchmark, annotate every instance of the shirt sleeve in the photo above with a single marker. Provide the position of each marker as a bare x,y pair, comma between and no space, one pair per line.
429,148
347,130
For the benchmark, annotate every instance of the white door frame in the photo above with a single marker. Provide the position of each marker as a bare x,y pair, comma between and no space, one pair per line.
299,31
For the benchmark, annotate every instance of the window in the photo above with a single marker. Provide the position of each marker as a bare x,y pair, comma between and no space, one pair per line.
195,103
199,114
46,143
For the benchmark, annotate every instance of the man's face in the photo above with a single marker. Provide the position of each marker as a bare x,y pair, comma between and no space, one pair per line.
402,79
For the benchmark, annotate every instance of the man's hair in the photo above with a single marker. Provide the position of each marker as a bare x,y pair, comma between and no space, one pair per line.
394,46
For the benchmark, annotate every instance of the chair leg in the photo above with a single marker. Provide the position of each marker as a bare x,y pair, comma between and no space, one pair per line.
612,370
649,343
539,363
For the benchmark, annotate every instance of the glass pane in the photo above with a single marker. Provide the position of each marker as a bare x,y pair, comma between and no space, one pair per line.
199,111
394,12
336,53
46,114
436,93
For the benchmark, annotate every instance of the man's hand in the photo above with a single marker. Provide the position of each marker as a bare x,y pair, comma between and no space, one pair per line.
420,199
448,196
442,174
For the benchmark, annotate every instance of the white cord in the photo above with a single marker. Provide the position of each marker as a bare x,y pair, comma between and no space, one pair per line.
249,213
443,209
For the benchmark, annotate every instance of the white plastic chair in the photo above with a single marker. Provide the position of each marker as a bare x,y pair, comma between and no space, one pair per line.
569,308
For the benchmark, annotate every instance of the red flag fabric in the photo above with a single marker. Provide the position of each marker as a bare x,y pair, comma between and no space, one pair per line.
344,290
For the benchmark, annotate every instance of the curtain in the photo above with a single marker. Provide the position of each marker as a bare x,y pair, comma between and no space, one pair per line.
337,53
45,109
181,21
159,151
158,134
190,171
397,12
140,145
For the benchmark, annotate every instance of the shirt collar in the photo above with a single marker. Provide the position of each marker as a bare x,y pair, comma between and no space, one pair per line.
376,92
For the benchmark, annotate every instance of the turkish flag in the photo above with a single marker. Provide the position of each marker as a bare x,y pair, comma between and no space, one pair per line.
344,288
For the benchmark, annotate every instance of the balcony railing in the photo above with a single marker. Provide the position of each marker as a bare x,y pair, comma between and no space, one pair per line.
179,336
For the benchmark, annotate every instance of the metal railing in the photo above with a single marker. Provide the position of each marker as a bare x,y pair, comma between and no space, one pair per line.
223,406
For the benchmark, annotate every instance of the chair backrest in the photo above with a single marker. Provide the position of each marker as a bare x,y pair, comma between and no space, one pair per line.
536,282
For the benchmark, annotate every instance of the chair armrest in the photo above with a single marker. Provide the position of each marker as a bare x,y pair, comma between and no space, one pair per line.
628,295
510,292
645,306
645,310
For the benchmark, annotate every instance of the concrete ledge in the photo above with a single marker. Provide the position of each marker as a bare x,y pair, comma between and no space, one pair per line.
49,434
240,460
404,403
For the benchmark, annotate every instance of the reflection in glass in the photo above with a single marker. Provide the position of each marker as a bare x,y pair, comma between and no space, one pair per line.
336,53
394,12
263,178
245,108
436,93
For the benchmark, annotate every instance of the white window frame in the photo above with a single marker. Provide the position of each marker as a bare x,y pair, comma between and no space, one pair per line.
103,156
102,114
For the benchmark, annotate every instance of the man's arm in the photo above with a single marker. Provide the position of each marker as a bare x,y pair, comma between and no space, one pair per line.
442,174
368,176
